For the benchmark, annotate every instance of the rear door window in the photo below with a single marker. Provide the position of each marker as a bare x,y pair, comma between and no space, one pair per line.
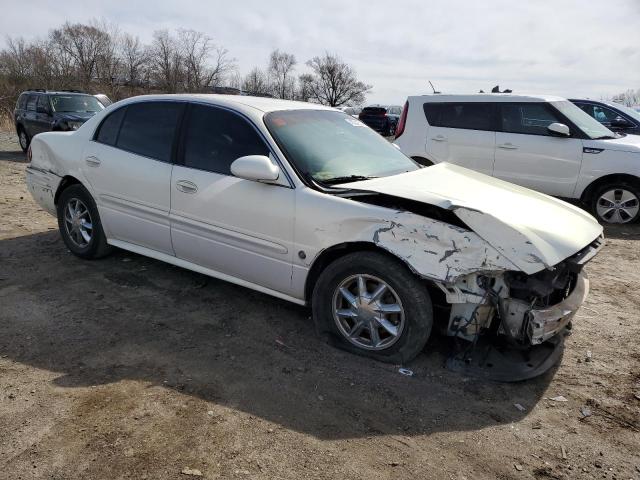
110,127
214,138
469,116
22,101
31,103
527,118
148,129
43,102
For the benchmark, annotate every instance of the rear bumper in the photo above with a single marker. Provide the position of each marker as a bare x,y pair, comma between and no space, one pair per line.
43,185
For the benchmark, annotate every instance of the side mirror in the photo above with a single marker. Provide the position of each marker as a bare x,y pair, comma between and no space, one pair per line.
559,130
258,168
620,122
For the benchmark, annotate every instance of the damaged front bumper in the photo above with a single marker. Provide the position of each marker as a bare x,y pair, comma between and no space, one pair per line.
540,324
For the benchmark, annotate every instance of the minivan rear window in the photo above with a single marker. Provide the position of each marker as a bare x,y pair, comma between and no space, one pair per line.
469,116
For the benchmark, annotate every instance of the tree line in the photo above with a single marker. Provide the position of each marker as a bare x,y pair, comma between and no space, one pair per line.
99,58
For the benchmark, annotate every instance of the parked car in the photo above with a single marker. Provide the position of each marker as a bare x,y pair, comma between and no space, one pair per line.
42,111
353,111
614,116
301,202
383,119
540,142
103,99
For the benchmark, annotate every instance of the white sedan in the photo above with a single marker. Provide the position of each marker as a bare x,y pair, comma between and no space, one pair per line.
306,203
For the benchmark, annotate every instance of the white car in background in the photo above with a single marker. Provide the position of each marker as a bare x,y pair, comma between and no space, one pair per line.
540,142
306,203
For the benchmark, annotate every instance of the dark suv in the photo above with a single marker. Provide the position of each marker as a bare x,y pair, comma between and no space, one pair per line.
614,116
383,119
42,111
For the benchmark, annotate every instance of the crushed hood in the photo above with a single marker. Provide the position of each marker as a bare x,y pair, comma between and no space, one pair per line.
530,229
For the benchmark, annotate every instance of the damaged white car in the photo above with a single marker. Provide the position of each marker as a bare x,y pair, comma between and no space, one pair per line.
308,204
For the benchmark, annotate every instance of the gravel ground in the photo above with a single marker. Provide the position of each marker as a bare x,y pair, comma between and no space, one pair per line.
130,368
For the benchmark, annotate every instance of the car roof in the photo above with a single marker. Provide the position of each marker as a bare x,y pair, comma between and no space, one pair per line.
262,104
486,97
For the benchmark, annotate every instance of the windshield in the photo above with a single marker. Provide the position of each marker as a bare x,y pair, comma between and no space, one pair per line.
75,103
585,122
333,147
629,111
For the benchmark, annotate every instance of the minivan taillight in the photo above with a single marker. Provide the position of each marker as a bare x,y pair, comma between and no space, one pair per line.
403,120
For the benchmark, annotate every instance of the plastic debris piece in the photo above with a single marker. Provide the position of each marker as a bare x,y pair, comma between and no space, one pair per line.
406,372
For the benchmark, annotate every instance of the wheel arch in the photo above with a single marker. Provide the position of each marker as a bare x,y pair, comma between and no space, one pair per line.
588,192
66,182
334,252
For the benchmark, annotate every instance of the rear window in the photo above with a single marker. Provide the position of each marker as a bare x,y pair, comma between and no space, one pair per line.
148,129
469,116
22,101
374,111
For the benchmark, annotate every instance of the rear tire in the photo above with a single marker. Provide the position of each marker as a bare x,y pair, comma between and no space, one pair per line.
392,327
79,223
616,203
23,139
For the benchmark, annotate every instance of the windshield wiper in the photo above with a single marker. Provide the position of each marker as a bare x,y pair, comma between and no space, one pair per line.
606,137
346,179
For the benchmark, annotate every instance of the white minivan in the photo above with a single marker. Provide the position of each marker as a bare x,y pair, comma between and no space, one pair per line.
541,142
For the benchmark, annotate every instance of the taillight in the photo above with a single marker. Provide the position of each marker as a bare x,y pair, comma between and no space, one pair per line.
29,154
403,120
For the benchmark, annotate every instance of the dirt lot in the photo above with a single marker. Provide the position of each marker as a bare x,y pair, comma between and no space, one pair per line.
130,368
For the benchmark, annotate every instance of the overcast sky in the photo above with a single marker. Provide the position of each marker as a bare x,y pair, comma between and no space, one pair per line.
563,47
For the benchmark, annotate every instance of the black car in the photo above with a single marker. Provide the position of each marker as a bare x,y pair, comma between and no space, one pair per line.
614,116
42,111
383,119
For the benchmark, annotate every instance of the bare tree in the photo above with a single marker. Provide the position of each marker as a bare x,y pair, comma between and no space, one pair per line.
335,82
256,82
197,50
134,61
280,70
166,61
84,44
304,92
630,98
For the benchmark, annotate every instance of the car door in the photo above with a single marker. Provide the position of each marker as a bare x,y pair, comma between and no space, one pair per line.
128,165
30,115
462,133
528,155
233,226
42,117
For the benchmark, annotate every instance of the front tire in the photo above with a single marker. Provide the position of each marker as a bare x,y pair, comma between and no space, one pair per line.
616,203
79,223
370,304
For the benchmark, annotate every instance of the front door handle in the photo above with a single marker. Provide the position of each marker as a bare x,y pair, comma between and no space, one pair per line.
508,146
92,161
439,138
186,186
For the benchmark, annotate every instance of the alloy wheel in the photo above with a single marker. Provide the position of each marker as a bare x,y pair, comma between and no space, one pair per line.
78,223
23,140
368,312
618,206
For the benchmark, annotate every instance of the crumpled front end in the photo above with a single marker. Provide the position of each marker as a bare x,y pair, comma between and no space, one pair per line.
513,310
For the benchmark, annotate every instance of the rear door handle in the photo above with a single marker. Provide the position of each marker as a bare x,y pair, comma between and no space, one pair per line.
92,161
508,146
439,138
186,186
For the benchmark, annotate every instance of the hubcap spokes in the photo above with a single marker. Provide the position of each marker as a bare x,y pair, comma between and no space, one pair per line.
23,140
368,312
618,206
77,222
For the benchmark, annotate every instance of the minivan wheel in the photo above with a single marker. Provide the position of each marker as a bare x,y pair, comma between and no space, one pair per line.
23,139
79,223
372,305
617,203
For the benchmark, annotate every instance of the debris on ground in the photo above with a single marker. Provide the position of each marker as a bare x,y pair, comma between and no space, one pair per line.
406,372
519,407
586,412
564,452
588,356
518,467
559,398
194,472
